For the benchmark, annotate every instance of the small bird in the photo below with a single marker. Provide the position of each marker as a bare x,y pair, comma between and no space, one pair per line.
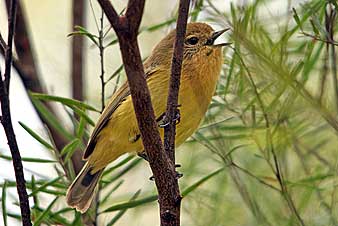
117,132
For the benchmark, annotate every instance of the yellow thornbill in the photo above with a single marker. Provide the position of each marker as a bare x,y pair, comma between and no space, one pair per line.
116,131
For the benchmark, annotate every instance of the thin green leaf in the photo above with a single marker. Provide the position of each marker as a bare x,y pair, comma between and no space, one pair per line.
120,214
54,218
116,72
64,210
297,68
314,28
36,136
28,159
77,220
160,25
134,163
33,188
296,17
37,182
112,43
230,73
69,149
316,22
45,185
70,146
199,182
3,203
82,114
50,118
81,128
83,31
14,215
123,162
130,204
105,198
166,23
312,179
44,214
235,148
66,101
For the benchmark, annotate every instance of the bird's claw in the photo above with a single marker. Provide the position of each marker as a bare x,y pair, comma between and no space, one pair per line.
177,176
165,122
143,155
177,118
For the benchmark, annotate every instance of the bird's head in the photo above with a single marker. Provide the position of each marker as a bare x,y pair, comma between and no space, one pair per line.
199,45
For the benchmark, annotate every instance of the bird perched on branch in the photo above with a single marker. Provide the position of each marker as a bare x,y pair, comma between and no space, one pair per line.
117,132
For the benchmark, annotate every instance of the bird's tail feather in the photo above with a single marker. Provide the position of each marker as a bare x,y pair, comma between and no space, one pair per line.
81,192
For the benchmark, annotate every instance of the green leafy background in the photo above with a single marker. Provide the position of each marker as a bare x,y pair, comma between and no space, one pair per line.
266,153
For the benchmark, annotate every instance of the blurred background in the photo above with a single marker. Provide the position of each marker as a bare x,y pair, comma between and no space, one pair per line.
266,153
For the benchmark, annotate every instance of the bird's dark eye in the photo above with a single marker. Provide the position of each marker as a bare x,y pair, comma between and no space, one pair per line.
192,41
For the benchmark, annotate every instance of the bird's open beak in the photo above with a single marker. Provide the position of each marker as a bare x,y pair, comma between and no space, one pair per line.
214,36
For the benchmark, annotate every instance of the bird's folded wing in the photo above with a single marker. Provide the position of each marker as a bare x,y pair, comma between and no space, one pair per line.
115,101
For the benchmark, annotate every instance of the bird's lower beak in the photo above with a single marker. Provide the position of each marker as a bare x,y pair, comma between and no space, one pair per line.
215,35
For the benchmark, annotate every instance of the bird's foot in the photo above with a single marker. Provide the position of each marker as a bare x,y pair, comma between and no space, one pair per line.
177,176
143,155
164,122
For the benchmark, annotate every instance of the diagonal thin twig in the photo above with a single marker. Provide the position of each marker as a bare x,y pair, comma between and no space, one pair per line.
9,46
6,121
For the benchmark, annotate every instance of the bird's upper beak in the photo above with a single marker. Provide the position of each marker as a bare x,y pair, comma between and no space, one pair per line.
215,35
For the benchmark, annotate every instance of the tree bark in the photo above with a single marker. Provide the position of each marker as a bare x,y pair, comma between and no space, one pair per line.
77,50
77,66
176,66
126,28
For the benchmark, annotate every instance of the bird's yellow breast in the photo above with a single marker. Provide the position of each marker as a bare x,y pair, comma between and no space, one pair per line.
121,134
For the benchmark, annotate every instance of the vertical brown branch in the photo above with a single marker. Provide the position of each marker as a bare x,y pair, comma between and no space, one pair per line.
77,64
126,28
8,49
77,50
6,121
24,50
176,66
